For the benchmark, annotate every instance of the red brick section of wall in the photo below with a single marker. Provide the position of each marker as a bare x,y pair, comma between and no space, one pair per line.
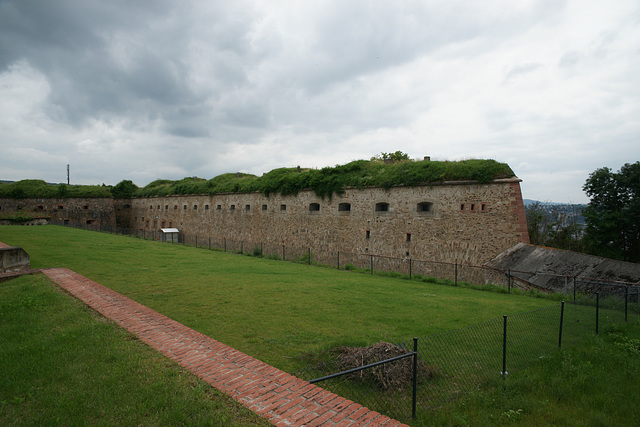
275,395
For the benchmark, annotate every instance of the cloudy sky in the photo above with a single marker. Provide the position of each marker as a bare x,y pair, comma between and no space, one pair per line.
143,90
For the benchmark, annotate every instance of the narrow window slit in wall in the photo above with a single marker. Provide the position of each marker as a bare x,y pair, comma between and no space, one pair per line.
425,207
344,207
382,207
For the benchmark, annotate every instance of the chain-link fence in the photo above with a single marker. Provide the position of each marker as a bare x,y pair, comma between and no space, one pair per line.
453,272
453,363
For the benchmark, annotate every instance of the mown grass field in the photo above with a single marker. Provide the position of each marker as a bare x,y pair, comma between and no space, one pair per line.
271,310
279,311
63,365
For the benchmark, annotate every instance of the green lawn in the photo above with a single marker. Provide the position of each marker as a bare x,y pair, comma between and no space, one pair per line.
63,365
269,309
278,311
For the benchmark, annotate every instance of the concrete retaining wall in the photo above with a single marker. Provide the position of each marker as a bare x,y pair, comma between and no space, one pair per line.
14,259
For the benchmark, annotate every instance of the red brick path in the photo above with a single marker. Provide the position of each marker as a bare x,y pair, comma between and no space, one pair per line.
275,395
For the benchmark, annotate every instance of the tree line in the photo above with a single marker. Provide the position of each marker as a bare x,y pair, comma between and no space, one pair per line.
611,219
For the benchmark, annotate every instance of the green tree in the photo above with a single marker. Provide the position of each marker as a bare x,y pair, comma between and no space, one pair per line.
124,189
613,214
537,224
398,156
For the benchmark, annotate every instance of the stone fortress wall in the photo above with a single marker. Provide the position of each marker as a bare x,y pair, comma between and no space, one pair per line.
459,221
98,211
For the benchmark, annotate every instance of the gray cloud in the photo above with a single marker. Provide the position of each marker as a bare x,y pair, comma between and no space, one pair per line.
148,90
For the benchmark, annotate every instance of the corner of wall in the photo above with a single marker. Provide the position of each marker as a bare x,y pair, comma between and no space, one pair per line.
518,210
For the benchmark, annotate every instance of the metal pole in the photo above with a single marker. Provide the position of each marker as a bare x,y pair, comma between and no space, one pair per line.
209,242
196,240
309,256
574,289
455,280
338,260
225,244
371,263
561,320
241,247
283,258
409,268
509,280
597,310
504,348
626,302
260,249
415,377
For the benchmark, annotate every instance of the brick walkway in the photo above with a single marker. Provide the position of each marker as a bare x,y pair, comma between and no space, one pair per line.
273,394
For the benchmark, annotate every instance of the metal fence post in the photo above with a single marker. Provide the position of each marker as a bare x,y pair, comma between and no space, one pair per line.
371,263
597,310
260,249
415,377
574,289
561,320
409,268
626,302
309,256
196,240
241,247
225,244
283,258
455,278
504,348
509,280
338,260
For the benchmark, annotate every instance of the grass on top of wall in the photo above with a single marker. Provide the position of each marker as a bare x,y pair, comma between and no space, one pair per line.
328,181
35,188
324,182
272,310
63,365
